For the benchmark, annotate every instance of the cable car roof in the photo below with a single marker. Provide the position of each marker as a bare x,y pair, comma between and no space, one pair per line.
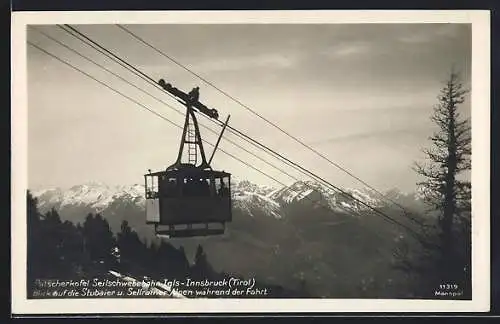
190,171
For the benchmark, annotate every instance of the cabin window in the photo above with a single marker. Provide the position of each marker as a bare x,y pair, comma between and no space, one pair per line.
205,187
196,187
218,182
151,187
222,186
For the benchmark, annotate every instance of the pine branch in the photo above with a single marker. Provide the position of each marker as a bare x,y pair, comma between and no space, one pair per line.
437,157
439,139
428,172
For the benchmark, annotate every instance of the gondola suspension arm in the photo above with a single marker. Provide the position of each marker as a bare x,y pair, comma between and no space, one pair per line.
218,140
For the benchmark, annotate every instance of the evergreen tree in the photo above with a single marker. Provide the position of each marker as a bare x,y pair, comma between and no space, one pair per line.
34,244
53,237
98,240
132,250
72,249
201,268
444,185
53,247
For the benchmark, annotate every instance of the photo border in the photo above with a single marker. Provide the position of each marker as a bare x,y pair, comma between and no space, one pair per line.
480,174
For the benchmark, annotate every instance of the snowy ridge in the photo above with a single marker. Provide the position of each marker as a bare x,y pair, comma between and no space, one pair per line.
312,191
93,194
250,201
98,196
251,198
299,191
249,187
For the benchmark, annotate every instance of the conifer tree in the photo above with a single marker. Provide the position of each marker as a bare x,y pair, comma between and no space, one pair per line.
445,186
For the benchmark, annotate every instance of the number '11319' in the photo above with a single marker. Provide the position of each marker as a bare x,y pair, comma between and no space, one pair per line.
448,286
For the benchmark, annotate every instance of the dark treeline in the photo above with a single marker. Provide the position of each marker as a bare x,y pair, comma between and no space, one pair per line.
65,251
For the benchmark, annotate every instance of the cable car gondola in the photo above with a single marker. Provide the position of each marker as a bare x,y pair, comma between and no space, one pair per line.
188,198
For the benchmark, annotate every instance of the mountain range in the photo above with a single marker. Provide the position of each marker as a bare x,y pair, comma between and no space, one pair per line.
304,232
98,197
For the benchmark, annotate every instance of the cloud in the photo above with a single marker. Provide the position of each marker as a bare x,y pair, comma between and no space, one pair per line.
266,61
427,35
349,49
451,30
415,38
387,134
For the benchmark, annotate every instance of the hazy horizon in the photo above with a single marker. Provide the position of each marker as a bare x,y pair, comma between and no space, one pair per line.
362,95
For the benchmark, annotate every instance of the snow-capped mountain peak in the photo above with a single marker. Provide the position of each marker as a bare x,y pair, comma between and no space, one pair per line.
295,192
96,195
250,197
247,196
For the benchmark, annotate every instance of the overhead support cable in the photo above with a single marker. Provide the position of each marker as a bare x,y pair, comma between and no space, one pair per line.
295,165
310,148
163,117
239,134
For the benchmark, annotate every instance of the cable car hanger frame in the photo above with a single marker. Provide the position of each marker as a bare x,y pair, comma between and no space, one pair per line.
189,194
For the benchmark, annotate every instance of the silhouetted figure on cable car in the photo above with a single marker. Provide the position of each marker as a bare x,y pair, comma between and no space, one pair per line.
223,191
194,94
151,194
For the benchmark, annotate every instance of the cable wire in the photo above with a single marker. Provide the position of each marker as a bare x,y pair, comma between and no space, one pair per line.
180,127
144,107
241,135
128,66
159,115
170,58
132,68
161,101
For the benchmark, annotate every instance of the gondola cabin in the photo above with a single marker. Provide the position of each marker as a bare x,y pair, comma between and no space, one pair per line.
189,199
188,202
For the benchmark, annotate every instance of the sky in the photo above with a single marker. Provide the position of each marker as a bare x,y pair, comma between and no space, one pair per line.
360,94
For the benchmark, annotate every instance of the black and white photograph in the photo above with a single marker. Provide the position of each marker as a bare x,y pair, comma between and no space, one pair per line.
175,161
